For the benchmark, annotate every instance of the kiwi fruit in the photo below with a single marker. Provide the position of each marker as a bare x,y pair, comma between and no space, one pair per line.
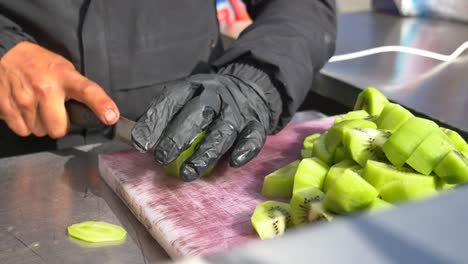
365,144
453,168
371,100
270,219
405,139
307,153
403,190
310,173
430,152
393,116
340,154
457,140
349,193
334,135
358,114
379,205
379,174
337,170
306,207
309,141
279,183
320,150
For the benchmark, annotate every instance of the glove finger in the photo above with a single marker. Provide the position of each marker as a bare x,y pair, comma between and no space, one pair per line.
162,109
196,115
249,143
218,140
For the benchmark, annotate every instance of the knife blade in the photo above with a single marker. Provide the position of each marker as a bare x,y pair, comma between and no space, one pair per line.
82,118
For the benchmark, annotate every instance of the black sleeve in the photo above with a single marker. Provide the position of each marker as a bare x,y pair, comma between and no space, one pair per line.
10,35
291,40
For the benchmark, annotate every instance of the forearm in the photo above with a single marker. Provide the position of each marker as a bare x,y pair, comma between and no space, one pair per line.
294,39
10,35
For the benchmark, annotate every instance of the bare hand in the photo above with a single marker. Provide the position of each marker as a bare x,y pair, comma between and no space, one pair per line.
35,84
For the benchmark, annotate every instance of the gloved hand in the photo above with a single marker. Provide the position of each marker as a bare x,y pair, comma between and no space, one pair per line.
238,107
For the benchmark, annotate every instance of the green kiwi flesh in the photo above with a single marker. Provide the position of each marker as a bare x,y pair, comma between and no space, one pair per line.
311,172
279,183
379,205
457,140
453,168
302,203
307,153
371,100
334,135
365,144
393,117
403,190
340,154
320,150
309,141
337,170
358,114
270,219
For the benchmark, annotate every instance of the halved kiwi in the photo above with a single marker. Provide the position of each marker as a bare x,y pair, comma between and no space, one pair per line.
399,147
279,183
371,100
349,193
310,173
271,219
365,144
403,190
453,168
306,207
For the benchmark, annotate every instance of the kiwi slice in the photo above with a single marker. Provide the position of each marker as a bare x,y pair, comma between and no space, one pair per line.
399,147
453,168
393,117
310,173
309,141
379,205
306,207
403,190
358,114
340,154
334,135
97,231
457,140
270,219
173,168
337,170
307,153
430,152
365,144
371,100
379,174
279,183
349,193
320,150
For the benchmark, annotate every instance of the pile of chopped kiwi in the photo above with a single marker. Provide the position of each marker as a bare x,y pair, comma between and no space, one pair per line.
371,159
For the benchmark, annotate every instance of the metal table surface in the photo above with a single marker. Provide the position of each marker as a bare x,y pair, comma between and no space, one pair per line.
41,194
429,87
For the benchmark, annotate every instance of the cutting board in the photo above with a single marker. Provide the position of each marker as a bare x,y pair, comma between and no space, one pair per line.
210,215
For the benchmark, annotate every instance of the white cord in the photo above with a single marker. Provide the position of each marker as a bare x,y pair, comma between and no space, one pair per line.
410,50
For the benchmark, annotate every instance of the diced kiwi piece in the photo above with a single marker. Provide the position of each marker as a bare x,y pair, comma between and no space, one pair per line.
457,140
358,114
365,144
320,150
306,207
173,168
309,141
307,153
403,190
335,133
310,173
337,170
393,117
399,147
379,174
97,231
279,183
371,100
270,219
430,152
453,168
442,185
349,193
379,205
340,154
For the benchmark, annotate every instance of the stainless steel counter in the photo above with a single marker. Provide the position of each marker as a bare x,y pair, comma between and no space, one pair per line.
429,87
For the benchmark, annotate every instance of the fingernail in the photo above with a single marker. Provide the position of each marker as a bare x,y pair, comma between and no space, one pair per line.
110,115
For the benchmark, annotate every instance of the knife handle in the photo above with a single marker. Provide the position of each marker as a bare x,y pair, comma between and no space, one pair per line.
81,117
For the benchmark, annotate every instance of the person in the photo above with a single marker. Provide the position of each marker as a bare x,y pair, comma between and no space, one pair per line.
162,63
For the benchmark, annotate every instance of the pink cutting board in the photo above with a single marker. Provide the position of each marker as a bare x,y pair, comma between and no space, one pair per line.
207,216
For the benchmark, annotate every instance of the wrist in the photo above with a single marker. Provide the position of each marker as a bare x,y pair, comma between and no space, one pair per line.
10,38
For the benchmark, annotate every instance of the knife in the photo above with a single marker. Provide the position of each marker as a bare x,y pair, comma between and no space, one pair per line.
82,118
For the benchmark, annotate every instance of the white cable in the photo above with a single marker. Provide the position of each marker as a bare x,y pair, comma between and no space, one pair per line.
415,51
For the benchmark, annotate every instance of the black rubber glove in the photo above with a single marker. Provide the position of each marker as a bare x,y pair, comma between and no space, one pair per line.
237,107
